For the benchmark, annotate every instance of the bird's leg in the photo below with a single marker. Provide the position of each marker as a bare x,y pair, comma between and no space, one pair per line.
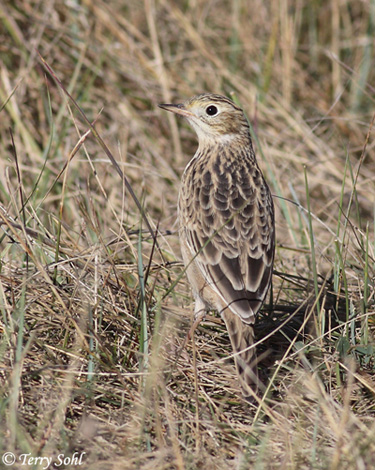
199,314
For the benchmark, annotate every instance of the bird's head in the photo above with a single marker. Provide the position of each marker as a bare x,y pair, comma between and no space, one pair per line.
215,118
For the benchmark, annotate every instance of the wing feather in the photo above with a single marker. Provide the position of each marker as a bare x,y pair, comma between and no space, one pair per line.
231,233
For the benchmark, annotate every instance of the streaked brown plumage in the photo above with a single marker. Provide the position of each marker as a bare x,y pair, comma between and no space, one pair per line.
226,221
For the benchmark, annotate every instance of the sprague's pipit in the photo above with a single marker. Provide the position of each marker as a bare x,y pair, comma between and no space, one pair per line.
227,228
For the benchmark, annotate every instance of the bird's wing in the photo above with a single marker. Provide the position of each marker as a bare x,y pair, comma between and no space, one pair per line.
230,229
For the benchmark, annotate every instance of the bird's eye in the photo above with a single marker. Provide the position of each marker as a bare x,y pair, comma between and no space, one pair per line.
211,110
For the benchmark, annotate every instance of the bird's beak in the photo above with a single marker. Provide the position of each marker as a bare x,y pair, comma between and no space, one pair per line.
177,109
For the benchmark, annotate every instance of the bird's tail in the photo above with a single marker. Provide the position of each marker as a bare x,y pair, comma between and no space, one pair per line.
242,336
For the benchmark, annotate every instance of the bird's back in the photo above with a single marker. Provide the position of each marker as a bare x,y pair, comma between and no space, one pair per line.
226,217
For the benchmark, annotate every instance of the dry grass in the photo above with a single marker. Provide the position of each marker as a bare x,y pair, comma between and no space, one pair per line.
94,310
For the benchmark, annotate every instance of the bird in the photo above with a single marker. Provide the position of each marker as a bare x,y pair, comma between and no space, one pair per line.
226,226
